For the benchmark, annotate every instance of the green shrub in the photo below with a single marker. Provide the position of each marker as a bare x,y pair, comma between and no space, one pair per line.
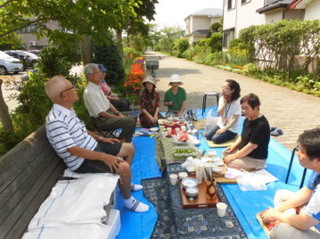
251,69
58,60
180,46
108,55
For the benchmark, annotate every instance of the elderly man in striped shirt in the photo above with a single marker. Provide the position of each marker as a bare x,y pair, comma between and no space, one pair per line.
82,150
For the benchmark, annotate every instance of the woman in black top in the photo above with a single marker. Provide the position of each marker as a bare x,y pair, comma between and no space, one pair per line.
250,151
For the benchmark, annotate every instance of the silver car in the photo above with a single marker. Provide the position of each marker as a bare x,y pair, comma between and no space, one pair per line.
9,64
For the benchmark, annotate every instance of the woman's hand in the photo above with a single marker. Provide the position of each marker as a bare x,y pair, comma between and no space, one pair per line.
179,114
268,215
229,158
153,119
220,131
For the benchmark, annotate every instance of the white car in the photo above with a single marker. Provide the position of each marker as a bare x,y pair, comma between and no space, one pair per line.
9,64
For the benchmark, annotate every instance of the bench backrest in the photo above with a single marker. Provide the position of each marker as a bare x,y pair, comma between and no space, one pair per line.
27,174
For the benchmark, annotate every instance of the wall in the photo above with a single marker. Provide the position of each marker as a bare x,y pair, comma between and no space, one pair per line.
313,10
243,16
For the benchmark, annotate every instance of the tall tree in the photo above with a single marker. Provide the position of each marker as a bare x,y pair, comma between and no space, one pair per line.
79,17
145,9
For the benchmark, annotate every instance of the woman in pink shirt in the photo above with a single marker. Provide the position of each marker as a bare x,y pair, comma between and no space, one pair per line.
121,104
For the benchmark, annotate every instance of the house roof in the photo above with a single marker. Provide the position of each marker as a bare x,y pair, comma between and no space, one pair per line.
210,12
274,4
200,32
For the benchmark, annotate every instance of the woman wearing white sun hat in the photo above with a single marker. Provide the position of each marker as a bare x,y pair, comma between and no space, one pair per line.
175,98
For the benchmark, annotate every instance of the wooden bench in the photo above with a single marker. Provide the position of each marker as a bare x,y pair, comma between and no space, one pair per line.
27,174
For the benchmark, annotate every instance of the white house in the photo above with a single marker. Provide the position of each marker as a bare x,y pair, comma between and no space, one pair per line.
240,14
198,23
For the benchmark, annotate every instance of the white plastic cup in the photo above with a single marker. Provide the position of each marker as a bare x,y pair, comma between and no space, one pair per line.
173,179
169,131
221,209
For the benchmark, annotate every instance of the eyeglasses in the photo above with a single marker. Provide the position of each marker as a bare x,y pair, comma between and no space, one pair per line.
73,87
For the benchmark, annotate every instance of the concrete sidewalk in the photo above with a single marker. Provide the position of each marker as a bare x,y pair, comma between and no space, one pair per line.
291,111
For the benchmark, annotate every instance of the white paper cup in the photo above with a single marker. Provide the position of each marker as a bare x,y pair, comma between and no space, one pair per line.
173,179
221,209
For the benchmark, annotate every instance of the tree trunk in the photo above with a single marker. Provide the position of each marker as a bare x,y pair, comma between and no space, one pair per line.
86,50
4,112
119,42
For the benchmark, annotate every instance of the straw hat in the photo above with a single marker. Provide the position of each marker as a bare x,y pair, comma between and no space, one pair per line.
175,79
150,80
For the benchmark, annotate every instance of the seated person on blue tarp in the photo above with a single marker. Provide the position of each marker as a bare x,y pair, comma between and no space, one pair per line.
229,112
250,151
305,224
82,150
175,97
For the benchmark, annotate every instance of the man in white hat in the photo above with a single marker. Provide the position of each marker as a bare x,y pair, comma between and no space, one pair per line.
175,98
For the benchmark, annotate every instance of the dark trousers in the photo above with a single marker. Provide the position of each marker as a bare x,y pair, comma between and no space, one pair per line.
127,124
122,104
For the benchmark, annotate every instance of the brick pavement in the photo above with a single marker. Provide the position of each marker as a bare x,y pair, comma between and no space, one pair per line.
285,109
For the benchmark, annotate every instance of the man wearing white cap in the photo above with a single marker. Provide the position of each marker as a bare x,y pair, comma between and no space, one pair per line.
175,98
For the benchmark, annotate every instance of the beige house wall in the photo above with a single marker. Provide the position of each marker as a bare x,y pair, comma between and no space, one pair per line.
313,10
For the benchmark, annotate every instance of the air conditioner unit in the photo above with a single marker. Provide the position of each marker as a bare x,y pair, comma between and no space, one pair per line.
32,43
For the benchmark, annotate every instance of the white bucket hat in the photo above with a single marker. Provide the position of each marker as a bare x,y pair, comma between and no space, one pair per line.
175,78
150,80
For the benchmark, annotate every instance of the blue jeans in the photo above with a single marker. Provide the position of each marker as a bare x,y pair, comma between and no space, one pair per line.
219,138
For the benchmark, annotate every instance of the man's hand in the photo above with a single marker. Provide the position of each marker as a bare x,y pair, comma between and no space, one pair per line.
113,162
110,140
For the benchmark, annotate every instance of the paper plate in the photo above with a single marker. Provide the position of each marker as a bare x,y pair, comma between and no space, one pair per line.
154,129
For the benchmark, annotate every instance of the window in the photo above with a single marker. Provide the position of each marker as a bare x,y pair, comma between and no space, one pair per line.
231,4
228,35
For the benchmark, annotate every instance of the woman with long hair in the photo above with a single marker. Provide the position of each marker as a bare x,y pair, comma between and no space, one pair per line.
229,111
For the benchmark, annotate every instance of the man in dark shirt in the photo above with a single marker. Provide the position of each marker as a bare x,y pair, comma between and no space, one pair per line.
250,151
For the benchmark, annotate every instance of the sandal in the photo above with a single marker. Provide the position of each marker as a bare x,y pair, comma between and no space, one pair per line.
273,129
277,132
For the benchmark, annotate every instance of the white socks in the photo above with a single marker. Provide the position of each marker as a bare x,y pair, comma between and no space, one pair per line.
134,205
136,187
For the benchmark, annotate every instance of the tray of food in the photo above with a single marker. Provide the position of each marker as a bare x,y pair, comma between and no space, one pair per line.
185,151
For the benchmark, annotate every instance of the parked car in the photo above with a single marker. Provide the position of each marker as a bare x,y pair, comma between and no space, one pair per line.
9,64
36,52
28,59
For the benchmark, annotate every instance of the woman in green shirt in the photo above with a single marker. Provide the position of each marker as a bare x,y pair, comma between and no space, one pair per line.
175,97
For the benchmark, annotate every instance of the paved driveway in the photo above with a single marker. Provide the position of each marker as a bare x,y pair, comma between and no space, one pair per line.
285,109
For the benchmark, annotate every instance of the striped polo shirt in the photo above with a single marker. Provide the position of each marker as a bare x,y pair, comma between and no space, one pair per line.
65,130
